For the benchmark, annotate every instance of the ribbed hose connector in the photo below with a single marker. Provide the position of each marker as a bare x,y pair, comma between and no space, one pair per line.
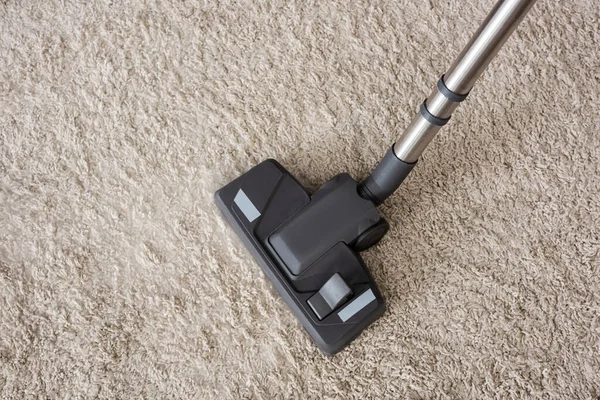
385,178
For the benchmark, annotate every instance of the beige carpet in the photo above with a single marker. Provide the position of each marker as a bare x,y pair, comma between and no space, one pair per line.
120,279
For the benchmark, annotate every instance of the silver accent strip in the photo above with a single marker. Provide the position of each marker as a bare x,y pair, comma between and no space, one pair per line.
356,305
247,207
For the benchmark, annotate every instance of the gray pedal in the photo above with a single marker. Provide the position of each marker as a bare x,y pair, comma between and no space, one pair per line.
332,295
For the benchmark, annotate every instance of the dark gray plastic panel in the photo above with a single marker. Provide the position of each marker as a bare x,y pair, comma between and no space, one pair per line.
336,213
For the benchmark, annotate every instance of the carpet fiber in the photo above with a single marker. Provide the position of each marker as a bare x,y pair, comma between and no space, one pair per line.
119,278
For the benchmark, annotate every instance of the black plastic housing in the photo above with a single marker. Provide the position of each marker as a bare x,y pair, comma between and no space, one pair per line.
300,242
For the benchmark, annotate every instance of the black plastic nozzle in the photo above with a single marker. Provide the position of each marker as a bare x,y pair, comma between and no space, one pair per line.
385,178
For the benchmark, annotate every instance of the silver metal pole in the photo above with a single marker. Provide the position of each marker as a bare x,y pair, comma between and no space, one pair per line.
454,86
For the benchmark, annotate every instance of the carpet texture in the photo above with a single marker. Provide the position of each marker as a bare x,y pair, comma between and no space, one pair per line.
120,279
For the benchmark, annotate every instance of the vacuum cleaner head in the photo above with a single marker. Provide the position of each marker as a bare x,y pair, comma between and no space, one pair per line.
308,247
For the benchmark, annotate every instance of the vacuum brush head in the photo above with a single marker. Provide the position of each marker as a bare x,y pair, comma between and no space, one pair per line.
308,247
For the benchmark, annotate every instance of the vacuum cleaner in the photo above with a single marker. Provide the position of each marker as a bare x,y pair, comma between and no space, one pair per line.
309,245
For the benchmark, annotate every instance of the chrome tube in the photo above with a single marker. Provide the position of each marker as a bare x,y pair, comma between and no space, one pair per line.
454,86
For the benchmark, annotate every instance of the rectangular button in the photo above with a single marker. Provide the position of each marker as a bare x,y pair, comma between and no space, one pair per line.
331,295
